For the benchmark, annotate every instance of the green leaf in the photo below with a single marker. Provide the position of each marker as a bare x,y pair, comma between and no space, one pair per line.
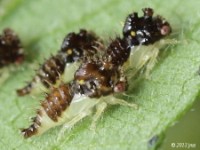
172,89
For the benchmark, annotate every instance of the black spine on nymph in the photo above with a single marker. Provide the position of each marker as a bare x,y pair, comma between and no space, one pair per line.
78,45
146,29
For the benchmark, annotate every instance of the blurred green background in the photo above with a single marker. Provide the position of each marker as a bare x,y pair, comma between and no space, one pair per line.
185,130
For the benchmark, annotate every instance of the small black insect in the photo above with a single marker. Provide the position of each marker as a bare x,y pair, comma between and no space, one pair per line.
145,30
146,36
11,50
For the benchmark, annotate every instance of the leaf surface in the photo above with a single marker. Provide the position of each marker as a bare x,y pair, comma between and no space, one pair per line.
172,89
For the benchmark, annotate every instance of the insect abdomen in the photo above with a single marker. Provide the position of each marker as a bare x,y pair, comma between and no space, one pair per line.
118,51
48,74
51,111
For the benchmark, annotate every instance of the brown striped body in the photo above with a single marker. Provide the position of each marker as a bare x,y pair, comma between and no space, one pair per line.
118,51
48,74
74,48
51,109
10,48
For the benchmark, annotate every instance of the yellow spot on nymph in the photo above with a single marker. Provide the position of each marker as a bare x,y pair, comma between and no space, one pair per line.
69,51
133,33
81,82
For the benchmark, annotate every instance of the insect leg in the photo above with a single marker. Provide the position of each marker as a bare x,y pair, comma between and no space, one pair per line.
72,122
117,101
151,63
153,54
4,74
168,42
99,111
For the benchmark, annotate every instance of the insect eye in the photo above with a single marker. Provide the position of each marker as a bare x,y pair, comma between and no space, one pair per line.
165,30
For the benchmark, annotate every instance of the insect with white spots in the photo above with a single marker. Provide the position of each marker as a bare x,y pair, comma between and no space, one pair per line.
98,79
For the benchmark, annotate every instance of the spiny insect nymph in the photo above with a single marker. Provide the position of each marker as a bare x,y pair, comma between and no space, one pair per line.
145,35
98,79
73,48
11,50
93,86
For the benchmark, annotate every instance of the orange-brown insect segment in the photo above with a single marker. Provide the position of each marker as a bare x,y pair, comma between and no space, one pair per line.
74,48
11,50
51,110
57,101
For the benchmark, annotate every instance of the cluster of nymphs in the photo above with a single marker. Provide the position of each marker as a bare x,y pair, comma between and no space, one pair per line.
95,72
10,48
